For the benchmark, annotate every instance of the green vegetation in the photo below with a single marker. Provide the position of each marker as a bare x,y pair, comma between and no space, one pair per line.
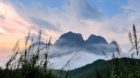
115,68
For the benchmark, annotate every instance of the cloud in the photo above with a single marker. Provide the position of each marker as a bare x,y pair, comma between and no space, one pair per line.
2,17
57,51
79,60
38,14
83,9
45,24
11,25
119,25
12,28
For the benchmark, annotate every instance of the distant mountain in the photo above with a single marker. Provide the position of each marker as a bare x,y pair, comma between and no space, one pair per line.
71,42
94,44
71,38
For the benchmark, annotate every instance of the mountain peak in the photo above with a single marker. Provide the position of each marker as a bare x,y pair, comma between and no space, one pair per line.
113,42
71,34
70,38
96,39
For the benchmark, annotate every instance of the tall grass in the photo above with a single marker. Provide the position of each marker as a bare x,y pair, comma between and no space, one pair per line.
135,42
26,62
118,69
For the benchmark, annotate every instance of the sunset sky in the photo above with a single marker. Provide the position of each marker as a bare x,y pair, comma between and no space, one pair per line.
112,19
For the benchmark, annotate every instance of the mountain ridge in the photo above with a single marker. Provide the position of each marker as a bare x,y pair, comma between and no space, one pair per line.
71,42
75,36
95,44
98,67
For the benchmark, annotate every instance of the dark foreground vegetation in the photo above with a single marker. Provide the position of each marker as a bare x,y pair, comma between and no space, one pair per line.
26,63
27,72
115,68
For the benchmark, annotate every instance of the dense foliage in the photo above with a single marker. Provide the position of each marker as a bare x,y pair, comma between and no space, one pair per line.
115,68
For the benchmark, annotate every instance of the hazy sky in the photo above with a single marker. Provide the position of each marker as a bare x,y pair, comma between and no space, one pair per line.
111,19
